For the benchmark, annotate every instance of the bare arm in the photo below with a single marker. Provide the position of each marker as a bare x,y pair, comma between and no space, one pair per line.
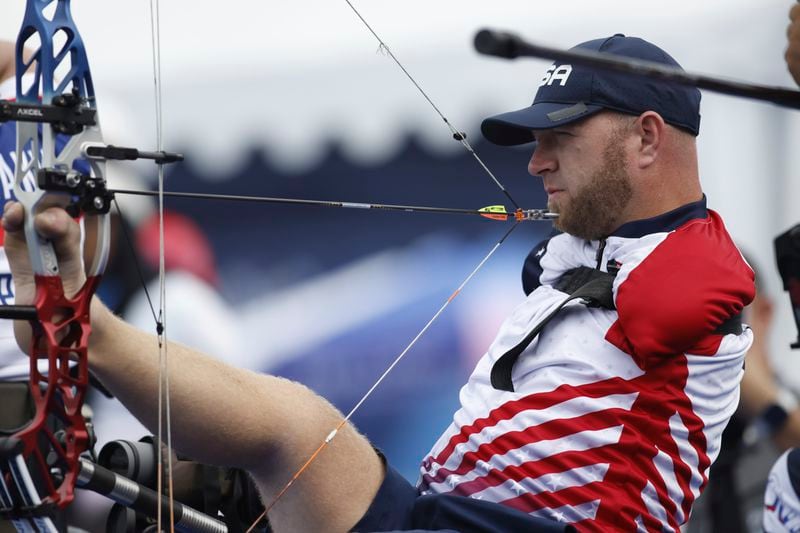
221,414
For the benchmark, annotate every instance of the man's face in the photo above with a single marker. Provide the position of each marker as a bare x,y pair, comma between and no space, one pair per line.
585,174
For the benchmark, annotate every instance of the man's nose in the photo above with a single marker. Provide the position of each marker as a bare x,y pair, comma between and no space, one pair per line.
542,161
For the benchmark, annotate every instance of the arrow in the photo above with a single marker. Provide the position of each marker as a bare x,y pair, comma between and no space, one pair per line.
492,212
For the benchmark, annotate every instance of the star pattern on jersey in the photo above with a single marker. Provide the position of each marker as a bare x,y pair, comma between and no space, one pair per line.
555,482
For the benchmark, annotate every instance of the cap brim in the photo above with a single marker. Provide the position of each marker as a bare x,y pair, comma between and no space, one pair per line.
514,127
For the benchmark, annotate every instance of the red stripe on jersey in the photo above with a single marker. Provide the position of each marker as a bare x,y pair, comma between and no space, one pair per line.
549,430
553,464
554,499
541,400
631,459
664,398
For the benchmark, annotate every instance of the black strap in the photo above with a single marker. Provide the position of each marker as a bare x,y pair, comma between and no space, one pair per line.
732,326
591,285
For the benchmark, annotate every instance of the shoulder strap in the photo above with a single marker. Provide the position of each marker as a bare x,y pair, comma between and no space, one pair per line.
588,284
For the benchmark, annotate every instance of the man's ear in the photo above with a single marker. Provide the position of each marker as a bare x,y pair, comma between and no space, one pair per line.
650,129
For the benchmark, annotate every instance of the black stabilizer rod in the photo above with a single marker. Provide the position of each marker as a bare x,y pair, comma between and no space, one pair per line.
18,312
510,46
144,500
122,153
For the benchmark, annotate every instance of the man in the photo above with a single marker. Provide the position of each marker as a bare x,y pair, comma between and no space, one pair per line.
782,494
608,418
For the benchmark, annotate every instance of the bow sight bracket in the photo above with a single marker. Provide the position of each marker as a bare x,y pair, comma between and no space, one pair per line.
68,114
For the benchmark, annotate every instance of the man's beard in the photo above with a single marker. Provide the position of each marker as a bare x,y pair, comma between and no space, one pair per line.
592,212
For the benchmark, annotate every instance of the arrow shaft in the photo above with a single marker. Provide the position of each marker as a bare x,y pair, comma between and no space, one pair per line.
299,201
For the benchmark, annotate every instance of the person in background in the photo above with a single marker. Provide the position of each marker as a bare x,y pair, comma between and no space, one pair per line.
782,496
768,410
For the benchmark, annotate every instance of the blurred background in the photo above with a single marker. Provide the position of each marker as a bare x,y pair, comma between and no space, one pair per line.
296,99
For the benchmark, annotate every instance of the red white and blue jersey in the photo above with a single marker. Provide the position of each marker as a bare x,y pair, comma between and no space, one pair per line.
616,415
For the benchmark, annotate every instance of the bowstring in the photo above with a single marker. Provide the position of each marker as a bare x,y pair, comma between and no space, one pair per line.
164,411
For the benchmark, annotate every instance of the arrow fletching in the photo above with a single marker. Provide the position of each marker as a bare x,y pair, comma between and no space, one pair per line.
494,212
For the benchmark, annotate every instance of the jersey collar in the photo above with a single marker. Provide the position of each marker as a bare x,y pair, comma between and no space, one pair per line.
664,222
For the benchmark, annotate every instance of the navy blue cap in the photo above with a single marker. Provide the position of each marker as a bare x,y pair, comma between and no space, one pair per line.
569,93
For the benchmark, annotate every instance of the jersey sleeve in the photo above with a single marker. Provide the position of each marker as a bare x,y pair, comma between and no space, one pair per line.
676,297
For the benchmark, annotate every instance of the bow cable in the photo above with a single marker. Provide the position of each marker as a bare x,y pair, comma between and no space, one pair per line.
164,411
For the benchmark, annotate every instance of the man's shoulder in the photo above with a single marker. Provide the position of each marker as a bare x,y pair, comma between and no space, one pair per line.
699,241
676,288
703,242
